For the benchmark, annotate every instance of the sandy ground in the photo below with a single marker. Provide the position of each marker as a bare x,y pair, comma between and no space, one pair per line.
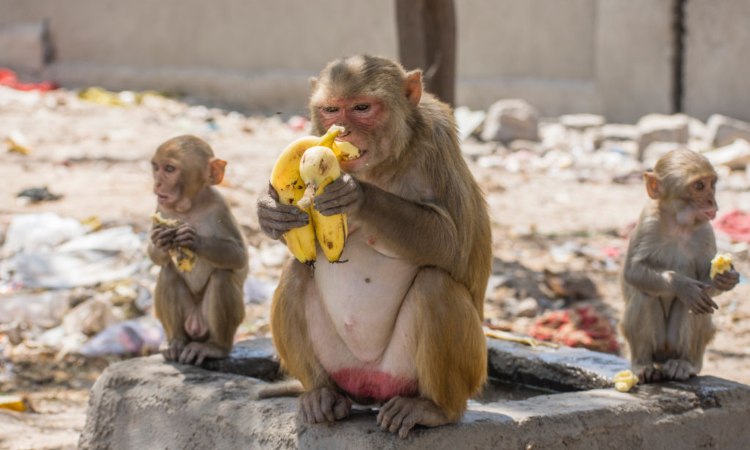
97,158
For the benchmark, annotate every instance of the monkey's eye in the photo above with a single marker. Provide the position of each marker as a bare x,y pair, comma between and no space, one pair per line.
330,109
362,107
699,185
169,168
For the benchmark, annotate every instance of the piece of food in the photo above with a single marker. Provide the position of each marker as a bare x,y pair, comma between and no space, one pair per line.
183,258
319,168
286,180
625,380
721,263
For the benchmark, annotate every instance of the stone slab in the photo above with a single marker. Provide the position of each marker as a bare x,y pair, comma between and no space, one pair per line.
147,403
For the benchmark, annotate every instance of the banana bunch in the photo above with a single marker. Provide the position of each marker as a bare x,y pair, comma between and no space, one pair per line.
289,185
183,258
319,168
720,264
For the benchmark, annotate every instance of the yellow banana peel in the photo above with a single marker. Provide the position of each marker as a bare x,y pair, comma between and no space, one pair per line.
182,257
288,184
319,168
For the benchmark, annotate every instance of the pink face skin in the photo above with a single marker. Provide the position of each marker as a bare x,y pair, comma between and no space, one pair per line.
702,191
360,116
167,181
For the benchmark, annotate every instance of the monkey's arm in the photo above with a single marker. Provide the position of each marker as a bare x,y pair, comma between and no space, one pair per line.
224,249
421,232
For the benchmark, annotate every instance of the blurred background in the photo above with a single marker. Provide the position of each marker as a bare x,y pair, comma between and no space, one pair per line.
560,106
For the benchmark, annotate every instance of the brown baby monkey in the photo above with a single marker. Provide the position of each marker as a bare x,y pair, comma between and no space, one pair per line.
666,279
202,253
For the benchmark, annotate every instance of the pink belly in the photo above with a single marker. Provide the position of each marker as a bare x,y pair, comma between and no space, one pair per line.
363,384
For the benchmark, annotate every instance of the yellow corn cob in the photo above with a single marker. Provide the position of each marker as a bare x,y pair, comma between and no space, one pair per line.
286,180
318,168
625,380
721,263
183,258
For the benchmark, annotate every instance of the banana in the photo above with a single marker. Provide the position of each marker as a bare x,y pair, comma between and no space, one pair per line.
183,258
721,263
286,180
318,168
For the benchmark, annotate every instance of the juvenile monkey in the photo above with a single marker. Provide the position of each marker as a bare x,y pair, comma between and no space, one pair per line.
201,306
665,279
399,323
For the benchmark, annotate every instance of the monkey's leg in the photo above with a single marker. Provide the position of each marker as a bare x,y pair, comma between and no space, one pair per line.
222,309
451,355
689,335
644,327
321,402
171,296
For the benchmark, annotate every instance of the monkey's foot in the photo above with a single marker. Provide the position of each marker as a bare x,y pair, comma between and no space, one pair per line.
323,405
195,352
678,369
401,414
172,353
647,374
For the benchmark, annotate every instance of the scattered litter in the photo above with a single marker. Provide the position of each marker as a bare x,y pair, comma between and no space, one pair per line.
624,380
17,142
577,327
13,403
735,224
140,336
38,194
10,79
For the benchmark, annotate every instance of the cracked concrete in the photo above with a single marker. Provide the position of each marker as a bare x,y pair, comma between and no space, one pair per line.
147,403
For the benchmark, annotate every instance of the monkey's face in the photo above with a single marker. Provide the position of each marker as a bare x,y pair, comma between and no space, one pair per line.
167,174
698,202
362,117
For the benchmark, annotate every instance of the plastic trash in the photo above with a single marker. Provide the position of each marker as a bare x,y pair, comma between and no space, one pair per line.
29,232
132,337
13,403
44,309
107,255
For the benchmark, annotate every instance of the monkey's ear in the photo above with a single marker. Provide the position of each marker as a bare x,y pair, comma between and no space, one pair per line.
653,185
216,170
414,86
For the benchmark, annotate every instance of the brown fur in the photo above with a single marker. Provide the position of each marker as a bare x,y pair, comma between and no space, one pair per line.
212,291
666,271
423,201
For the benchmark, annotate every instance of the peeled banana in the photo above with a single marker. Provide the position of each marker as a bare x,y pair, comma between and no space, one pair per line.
625,380
286,180
319,168
721,263
183,258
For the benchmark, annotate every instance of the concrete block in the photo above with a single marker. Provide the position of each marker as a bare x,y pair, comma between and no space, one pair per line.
716,66
147,403
723,130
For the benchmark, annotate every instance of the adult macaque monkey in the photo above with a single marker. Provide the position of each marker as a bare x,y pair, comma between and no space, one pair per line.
202,306
400,322
665,279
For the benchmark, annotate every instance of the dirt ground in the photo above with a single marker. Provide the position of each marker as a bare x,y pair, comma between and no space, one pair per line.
97,158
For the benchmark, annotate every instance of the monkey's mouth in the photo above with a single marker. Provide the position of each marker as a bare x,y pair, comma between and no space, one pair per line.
162,199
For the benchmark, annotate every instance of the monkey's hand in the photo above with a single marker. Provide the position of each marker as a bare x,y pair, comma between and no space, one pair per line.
726,281
162,236
694,294
343,196
186,236
276,218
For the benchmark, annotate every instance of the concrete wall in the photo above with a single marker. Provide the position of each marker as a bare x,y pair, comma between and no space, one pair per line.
717,59
611,57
